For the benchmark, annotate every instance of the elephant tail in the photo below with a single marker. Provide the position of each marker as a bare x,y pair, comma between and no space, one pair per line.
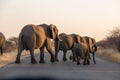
22,44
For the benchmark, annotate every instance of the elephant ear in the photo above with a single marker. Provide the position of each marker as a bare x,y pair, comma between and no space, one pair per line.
83,40
93,41
90,45
94,44
54,32
78,38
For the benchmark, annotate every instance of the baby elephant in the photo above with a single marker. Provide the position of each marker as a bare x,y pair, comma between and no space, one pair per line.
78,51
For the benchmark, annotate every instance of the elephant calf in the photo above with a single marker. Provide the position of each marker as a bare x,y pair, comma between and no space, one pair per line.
81,48
2,42
78,51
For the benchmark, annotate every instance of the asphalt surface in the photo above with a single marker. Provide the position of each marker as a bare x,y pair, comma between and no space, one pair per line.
103,70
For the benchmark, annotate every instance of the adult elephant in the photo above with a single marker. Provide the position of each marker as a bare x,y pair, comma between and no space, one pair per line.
2,42
92,46
67,43
35,37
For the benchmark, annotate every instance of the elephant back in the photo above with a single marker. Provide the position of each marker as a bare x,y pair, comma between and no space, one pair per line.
31,36
76,38
46,29
66,40
63,36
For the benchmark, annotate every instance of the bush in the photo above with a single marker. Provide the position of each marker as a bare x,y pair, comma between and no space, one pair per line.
112,40
11,44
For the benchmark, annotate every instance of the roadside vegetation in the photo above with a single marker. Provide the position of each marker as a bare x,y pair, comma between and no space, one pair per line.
10,51
109,47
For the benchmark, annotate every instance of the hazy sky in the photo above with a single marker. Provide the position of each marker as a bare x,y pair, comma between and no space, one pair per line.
85,17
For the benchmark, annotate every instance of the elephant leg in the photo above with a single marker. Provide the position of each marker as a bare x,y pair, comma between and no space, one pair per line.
1,51
74,58
33,60
78,60
71,57
52,55
49,48
94,58
88,62
56,49
85,60
89,56
42,55
18,55
64,56
56,56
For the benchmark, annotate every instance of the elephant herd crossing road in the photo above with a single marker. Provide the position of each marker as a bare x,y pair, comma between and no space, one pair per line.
39,37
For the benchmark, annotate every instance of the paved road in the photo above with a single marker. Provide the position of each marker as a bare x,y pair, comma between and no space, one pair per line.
103,70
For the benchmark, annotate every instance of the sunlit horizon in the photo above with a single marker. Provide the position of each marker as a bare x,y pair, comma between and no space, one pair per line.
92,18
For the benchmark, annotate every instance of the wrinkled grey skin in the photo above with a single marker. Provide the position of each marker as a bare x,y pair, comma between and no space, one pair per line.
36,37
67,43
78,51
92,47
2,43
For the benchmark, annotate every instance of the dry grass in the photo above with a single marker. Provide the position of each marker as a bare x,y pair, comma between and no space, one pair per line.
11,56
109,54
7,58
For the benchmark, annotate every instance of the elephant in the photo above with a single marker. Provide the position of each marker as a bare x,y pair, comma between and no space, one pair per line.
92,46
36,37
81,48
66,44
2,42
85,49
78,51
